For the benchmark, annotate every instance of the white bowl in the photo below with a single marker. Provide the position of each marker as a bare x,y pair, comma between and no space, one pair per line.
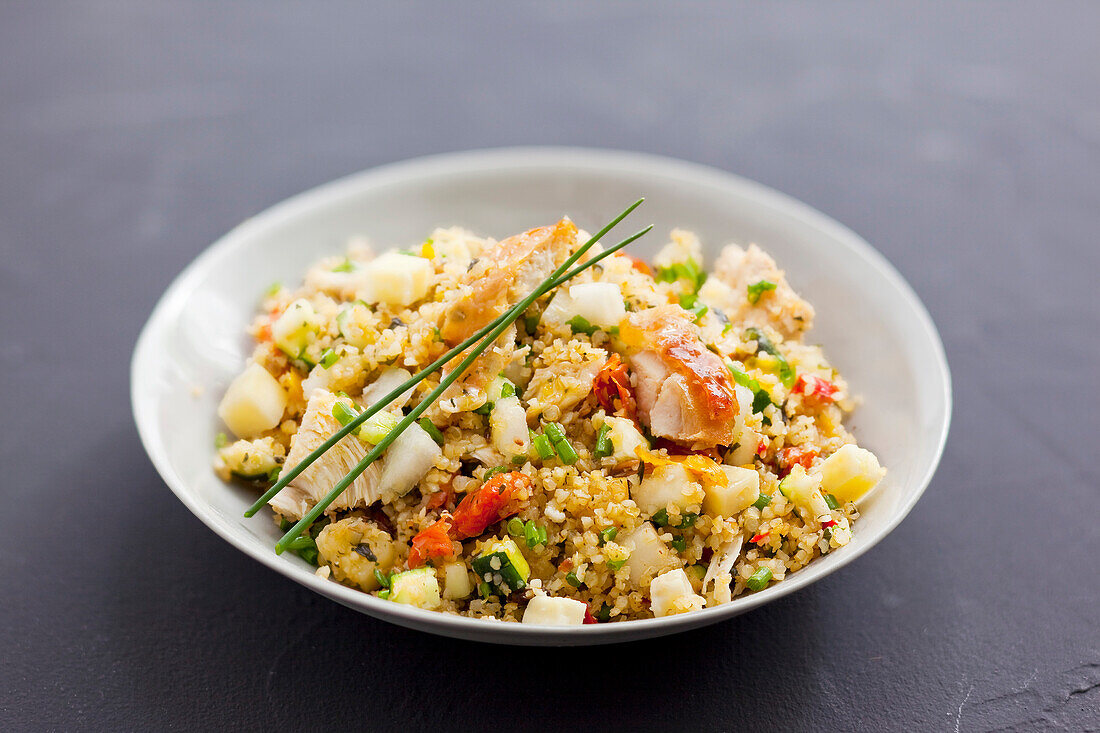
872,325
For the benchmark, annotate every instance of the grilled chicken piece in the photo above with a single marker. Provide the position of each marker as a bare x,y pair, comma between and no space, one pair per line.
318,424
734,271
684,391
502,276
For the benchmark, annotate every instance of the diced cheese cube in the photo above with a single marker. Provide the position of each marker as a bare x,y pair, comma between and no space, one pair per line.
741,490
668,483
672,593
396,279
254,402
456,581
551,611
850,473
648,554
625,439
601,304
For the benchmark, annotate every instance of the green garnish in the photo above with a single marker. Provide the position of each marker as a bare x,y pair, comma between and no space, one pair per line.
604,448
484,409
679,544
687,519
515,527
382,578
580,324
763,343
507,389
607,535
831,501
490,472
759,579
384,594
531,322
699,310
483,338
760,397
690,271
221,440
543,447
660,518
604,614
345,266
616,564
429,427
344,414
273,288
758,288
762,501
566,453
329,358
378,427
554,432
573,580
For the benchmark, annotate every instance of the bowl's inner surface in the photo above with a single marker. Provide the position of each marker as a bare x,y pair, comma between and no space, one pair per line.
872,329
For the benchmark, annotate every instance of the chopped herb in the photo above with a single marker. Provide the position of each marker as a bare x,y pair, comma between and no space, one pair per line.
604,614
607,535
761,399
346,266
484,409
507,389
329,358
831,501
531,534
484,590
679,544
489,473
273,288
580,324
699,310
759,579
221,440
660,518
430,428
690,271
687,519
687,300
758,288
616,564
515,527
343,413
519,460
573,580
762,501
763,343
604,448
543,447
365,550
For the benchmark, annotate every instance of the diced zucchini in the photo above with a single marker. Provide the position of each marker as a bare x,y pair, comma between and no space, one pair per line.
665,484
354,324
456,581
799,486
397,279
296,328
671,593
416,588
551,611
508,424
251,459
254,402
741,490
850,473
503,567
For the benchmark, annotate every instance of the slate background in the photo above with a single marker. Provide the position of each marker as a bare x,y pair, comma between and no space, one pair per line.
962,140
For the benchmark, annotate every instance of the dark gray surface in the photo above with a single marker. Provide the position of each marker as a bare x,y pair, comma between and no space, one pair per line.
962,141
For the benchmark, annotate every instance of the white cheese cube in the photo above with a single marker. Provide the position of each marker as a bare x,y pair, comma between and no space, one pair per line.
672,593
648,554
396,279
551,611
669,483
254,402
625,439
601,304
741,490
850,473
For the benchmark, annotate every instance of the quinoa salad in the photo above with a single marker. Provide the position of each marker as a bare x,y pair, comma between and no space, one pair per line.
646,439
